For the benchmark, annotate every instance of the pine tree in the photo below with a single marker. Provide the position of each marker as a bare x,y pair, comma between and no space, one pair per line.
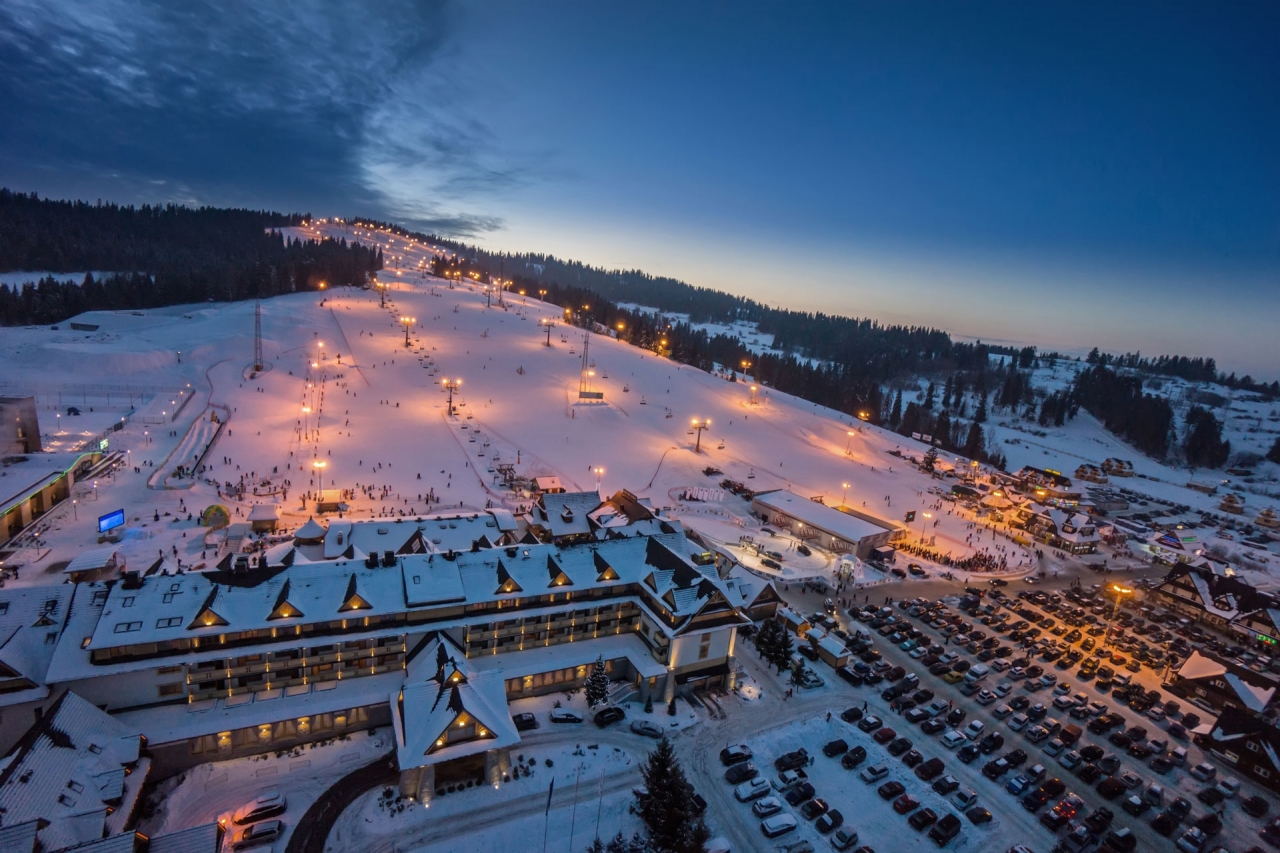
930,460
929,395
597,686
980,416
596,846
617,845
668,809
1273,455
782,649
895,416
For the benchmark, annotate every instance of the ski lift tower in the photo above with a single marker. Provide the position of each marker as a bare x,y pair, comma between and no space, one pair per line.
585,391
257,335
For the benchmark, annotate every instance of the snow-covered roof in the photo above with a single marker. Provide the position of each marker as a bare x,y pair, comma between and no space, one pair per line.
29,617
453,713
311,530
69,770
842,525
832,646
1254,697
264,512
91,560
1198,666
195,839
565,513
439,534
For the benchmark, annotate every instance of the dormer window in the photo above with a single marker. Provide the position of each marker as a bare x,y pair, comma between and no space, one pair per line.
566,514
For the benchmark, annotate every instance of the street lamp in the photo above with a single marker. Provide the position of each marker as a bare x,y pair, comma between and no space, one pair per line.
450,385
844,499
848,445
549,326
923,517
407,321
1119,591
700,425
599,474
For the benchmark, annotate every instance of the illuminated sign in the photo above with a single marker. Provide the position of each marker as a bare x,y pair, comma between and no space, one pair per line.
102,445
111,521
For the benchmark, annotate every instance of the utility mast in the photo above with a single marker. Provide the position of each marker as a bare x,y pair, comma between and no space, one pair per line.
257,335
584,380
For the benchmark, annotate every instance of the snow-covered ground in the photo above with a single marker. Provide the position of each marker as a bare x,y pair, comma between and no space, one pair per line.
211,792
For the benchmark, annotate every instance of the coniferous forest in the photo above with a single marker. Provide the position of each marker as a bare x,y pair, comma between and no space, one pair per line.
159,255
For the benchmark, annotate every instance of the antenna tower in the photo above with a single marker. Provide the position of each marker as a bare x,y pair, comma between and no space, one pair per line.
257,335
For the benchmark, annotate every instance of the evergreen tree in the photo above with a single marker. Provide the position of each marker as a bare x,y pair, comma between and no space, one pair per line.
895,417
1204,445
668,809
597,686
617,845
973,445
1273,455
980,416
596,846
928,397
930,460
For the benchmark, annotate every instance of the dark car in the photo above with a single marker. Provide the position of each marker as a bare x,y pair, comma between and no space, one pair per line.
1210,824
956,716
734,755
829,822
1165,823
1255,806
1089,773
905,803
791,760
995,769
933,727
1092,752
1122,841
799,794
945,829
1100,820
1110,788
854,757
1046,792
939,668
922,819
851,715
922,696
1016,757
916,715
912,757
836,747
1020,704
739,773
978,816
609,716
870,723
849,675
899,746
525,722
946,784
814,808
968,753
1110,764
884,735
890,790
991,743
930,769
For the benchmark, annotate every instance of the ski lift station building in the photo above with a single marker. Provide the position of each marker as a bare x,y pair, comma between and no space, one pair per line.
838,530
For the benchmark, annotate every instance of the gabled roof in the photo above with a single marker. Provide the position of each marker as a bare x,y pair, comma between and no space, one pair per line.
283,608
352,599
206,616
506,583
68,771
558,577
312,530
1198,666
453,698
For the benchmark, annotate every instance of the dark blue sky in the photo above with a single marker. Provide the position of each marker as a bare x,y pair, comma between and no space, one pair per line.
1067,175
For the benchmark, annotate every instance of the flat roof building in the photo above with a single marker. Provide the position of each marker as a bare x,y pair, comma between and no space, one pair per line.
838,530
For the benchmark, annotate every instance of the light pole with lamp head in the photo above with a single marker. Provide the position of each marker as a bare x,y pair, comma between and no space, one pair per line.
700,425
844,499
1119,591
450,385
923,517
407,321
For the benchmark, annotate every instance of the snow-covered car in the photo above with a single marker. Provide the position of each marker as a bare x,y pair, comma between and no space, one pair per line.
751,789
265,805
646,728
766,806
779,824
259,833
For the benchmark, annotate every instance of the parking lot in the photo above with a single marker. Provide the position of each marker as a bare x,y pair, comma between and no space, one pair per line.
1026,708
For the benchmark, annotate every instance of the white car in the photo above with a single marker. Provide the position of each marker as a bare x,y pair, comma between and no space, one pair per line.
953,739
986,697
751,789
1070,759
766,806
259,833
265,805
779,824
1001,711
1018,722
1003,689
974,730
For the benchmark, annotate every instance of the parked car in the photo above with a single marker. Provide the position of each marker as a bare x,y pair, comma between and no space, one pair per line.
791,760
799,794
564,715
735,754
646,728
779,824
609,716
259,833
835,747
265,805
741,772
524,722
947,828
766,806
751,789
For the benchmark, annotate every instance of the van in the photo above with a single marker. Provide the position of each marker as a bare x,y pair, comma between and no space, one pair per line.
976,673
